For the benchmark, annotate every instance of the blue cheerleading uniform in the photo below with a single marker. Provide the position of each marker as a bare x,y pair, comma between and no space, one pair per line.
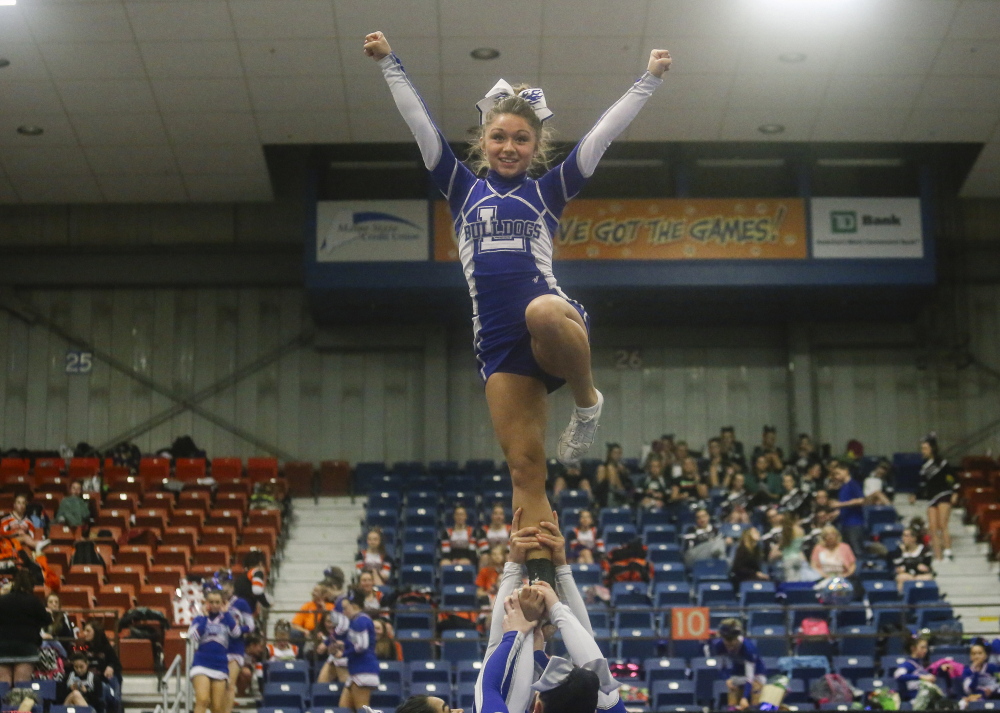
744,665
505,226
907,676
243,616
359,650
210,637
982,682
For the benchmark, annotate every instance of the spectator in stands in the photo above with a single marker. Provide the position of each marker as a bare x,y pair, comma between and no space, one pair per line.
681,451
911,560
805,457
743,669
703,540
570,477
18,526
794,567
793,500
613,483
209,634
85,686
333,580
832,557
655,489
359,648
374,557
878,487
310,617
251,586
770,450
772,537
734,506
253,667
74,511
282,648
101,653
489,576
386,646
61,627
687,486
912,670
939,486
335,626
850,500
22,617
496,533
460,543
747,560
584,538
713,465
980,677
764,480
813,479
732,450
373,595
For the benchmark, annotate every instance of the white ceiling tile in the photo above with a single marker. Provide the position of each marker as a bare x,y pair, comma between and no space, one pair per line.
210,127
885,56
968,57
90,22
229,188
573,17
859,125
180,21
14,25
948,125
297,93
881,19
26,64
976,19
222,158
131,159
57,188
686,90
192,59
419,55
298,127
379,128
519,58
983,180
825,18
124,95
283,19
142,188
207,95
708,19
700,54
40,160
291,58
27,98
511,17
572,91
413,18
763,54
960,93
93,60
567,55
757,90
58,130
742,124
873,92
361,95
119,129
677,124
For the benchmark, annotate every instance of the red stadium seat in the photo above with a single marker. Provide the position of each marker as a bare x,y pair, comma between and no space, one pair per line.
121,501
225,518
140,555
159,597
261,469
127,575
232,501
188,518
83,468
227,469
174,645
183,536
265,518
176,555
85,575
165,575
189,469
158,499
76,597
214,555
225,536
194,500
154,470
136,655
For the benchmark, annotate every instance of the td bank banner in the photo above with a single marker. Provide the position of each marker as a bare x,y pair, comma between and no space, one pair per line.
663,229
866,228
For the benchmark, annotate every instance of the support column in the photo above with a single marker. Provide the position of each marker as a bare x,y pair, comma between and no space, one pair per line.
436,393
803,416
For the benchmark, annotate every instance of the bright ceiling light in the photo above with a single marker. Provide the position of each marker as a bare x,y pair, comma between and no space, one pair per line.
770,128
8,2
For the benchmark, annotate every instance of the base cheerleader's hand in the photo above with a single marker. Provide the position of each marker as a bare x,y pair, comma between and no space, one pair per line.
659,62
377,46
550,536
514,619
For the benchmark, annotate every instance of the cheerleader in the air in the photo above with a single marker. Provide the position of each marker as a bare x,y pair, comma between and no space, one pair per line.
529,337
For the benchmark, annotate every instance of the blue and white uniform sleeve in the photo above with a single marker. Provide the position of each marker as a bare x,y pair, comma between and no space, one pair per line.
194,631
567,590
497,674
907,679
233,625
357,640
583,649
509,581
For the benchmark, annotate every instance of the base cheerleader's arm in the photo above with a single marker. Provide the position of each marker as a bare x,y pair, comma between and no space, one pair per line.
551,537
521,542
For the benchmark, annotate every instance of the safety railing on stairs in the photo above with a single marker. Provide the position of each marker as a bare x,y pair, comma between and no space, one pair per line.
176,674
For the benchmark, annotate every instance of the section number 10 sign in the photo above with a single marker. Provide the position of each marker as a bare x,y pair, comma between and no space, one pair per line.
689,623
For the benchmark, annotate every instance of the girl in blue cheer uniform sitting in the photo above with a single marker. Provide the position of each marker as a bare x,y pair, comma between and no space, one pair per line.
979,677
912,671
743,668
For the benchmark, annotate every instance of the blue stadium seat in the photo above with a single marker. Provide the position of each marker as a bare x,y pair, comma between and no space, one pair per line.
416,644
682,648
286,695
664,669
599,617
45,688
384,500
637,644
615,516
854,667
935,617
710,570
325,695
260,709
377,517
882,530
573,499
665,553
816,646
807,673
409,468
659,535
460,645
881,591
800,597
798,693
416,575
468,498
480,467
850,616
876,514
705,672
670,572
421,536
419,554
629,594
671,594
639,618
414,616
458,574
983,705
426,499
390,672
458,596
673,693
919,592
458,481
756,593
465,695
654,516
876,682
70,709
857,640
766,616
616,535
715,594
386,695
287,672
771,640
467,671
389,482
443,468
888,664
428,672
421,517
587,574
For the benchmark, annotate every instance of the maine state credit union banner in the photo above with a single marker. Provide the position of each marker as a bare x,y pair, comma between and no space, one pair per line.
666,229
371,231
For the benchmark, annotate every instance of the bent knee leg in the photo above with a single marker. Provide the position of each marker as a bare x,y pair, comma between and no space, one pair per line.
546,315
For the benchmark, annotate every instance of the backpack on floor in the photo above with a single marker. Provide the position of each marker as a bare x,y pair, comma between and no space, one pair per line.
628,563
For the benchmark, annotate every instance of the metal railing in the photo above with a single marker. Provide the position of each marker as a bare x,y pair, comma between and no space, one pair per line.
177,674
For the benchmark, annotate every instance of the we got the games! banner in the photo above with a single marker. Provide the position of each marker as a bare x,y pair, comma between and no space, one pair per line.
666,229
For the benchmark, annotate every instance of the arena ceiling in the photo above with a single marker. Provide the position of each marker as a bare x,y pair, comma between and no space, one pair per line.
173,100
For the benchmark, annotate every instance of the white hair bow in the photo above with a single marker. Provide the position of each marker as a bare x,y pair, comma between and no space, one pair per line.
558,670
502,90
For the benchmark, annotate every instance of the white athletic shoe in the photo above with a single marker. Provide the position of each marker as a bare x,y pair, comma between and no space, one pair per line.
579,435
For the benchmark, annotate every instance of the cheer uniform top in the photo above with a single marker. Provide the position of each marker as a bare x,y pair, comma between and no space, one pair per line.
937,481
242,615
744,665
463,542
370,560
285,651
210,637
359,650
505,226
982,682
910,561
907,677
